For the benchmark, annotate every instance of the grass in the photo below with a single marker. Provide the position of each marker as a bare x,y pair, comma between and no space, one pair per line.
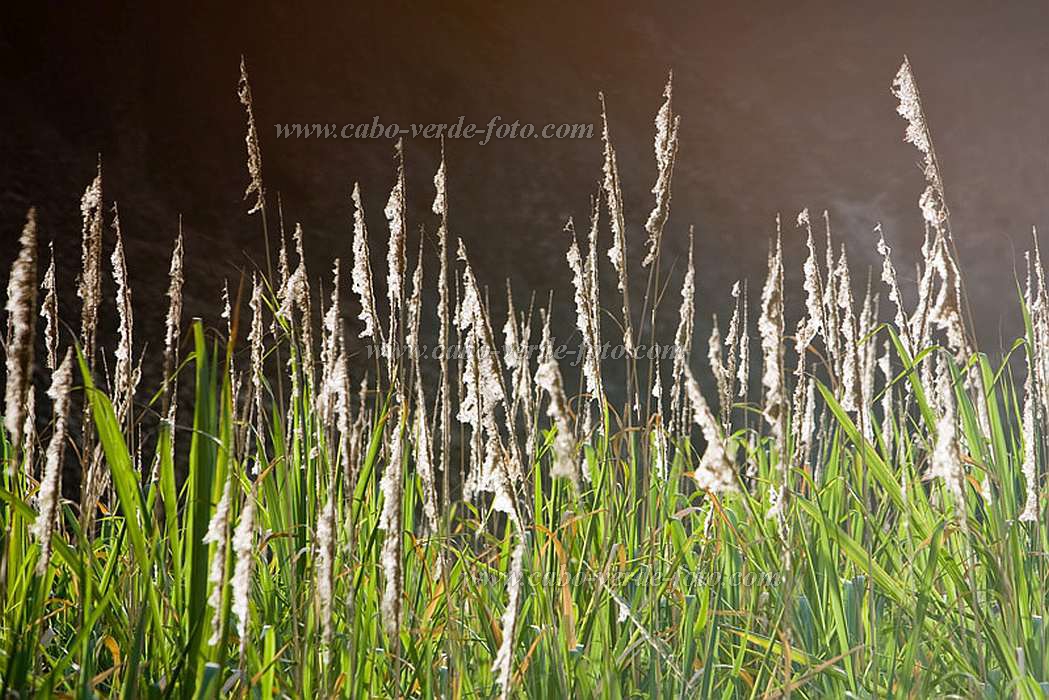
270,556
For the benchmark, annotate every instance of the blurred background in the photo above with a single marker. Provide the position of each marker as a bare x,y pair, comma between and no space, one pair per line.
783,106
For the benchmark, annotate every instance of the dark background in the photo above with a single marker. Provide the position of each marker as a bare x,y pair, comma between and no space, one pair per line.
783,106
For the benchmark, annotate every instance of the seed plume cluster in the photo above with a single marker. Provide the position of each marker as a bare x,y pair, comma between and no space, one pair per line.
856,509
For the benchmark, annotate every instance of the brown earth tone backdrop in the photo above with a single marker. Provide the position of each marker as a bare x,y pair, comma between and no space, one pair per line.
781,108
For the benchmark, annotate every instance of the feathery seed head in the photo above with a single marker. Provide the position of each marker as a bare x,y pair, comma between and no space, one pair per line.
21,313
251,140
47,498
